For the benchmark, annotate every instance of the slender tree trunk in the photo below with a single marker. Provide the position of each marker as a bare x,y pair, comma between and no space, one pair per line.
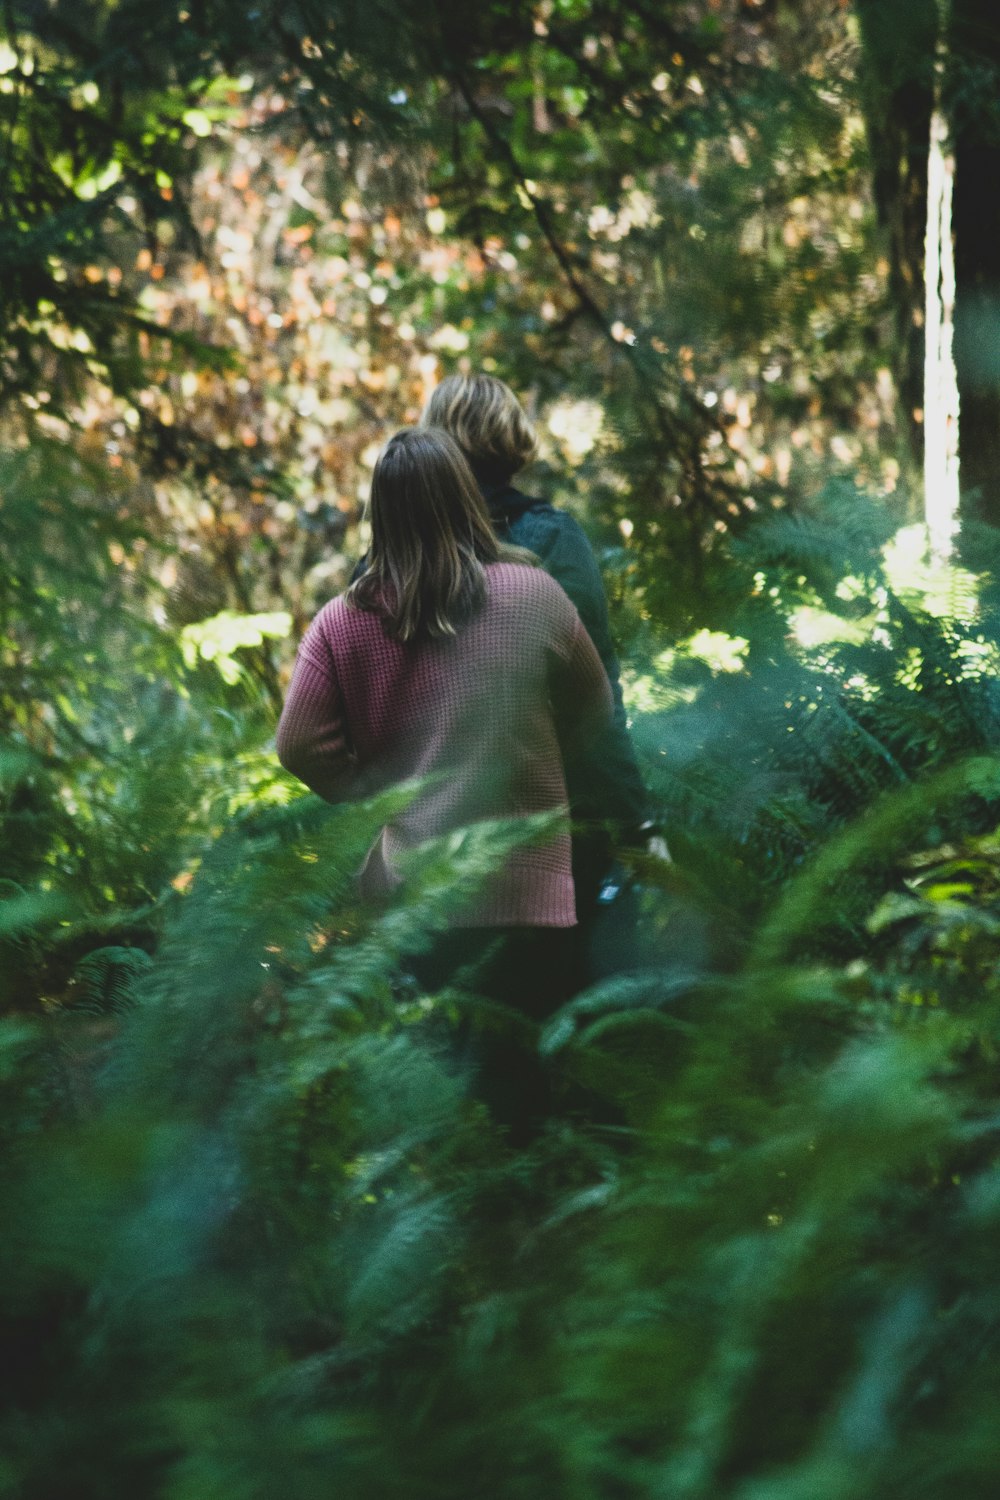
899,39
974,107
941,400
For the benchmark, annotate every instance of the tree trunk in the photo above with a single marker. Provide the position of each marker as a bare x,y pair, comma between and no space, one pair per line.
899,39
941,402
974,107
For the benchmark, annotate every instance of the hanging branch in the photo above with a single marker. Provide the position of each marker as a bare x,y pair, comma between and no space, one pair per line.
539,208
683,441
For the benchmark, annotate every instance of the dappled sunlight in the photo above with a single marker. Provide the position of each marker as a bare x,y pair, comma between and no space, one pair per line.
218,639
939,585
658,689
813,626
720,652
576,426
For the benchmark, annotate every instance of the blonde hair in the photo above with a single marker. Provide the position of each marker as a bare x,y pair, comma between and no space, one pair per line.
486,420
431,536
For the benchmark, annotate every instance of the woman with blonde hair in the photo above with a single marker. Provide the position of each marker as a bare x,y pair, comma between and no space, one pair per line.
606,788
455,661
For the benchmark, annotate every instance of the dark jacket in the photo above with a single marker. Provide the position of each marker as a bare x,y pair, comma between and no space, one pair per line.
605,784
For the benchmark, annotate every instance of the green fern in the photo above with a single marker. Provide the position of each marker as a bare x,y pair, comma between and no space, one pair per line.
106,980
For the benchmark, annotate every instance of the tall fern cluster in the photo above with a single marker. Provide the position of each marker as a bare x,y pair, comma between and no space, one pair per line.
262,1237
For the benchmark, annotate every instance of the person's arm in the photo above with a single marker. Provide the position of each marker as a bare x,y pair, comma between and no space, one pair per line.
561,544
581,694
607,782
311,738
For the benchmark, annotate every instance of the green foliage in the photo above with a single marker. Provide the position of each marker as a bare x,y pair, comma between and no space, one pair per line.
263,1233
657,209
218,638
106,978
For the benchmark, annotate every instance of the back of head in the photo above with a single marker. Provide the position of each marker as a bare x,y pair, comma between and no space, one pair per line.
487,421
431,535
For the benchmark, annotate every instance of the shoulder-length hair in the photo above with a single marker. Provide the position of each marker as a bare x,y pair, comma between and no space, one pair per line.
431,536
486,420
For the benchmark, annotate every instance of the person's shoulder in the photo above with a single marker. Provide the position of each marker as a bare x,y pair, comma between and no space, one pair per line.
336,622
521,500
517,577
525,583
532,510
565,524
331,614
544,526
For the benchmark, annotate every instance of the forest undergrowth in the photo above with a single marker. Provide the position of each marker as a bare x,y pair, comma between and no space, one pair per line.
260,1235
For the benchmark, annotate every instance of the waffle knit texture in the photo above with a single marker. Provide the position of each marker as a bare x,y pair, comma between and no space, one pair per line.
490,715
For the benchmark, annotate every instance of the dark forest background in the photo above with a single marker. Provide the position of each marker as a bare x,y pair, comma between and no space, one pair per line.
258,1236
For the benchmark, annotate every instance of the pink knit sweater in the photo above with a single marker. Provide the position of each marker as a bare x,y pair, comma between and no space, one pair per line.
486,715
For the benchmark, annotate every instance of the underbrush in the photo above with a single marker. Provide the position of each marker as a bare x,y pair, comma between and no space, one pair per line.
261,1235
